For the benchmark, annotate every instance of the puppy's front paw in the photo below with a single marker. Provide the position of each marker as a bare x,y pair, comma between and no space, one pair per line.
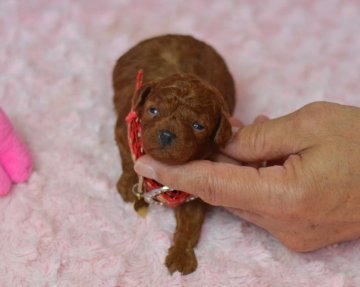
124,186
181,259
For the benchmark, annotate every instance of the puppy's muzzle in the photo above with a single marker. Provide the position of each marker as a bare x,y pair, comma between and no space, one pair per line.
166,138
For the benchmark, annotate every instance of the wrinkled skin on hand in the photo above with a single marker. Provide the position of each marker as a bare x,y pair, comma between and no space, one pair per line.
307,195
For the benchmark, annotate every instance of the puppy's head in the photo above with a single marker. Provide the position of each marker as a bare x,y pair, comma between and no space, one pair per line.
182,118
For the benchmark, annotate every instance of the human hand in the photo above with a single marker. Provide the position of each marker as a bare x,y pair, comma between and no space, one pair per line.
310,200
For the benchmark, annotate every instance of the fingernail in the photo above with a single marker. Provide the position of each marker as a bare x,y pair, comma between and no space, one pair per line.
261,119
141,167
234,129
235,122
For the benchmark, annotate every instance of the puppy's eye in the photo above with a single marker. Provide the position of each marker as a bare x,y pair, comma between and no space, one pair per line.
198,127
153,111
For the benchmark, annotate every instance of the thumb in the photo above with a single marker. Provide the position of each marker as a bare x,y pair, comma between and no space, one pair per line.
266,140
218,183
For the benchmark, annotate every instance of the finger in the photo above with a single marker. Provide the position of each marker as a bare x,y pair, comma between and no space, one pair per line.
220,157
220,183
261,119
266,140
235,122
258,164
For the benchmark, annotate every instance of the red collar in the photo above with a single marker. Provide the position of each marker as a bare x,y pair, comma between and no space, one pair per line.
151,190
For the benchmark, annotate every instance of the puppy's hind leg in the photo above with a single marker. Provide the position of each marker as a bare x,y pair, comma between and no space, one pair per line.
189,219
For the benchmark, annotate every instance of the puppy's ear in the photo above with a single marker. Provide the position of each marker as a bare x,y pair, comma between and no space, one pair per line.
223,132
140,97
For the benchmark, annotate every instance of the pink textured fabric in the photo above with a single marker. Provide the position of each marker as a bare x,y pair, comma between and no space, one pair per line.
68,226
15,158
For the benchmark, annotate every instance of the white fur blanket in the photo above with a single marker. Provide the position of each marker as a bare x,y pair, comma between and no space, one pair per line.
68,226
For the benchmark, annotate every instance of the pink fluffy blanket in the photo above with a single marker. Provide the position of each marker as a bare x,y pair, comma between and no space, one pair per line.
68,226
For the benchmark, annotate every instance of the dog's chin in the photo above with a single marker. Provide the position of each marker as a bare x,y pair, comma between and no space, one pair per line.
168,156
174,157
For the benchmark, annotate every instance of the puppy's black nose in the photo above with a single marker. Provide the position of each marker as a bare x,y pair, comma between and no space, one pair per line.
166,138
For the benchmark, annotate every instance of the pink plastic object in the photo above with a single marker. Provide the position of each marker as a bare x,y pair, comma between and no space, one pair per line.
15,158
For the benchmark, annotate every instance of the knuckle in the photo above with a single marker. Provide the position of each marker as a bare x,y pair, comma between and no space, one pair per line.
312,115
253,138
210,183
317,107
